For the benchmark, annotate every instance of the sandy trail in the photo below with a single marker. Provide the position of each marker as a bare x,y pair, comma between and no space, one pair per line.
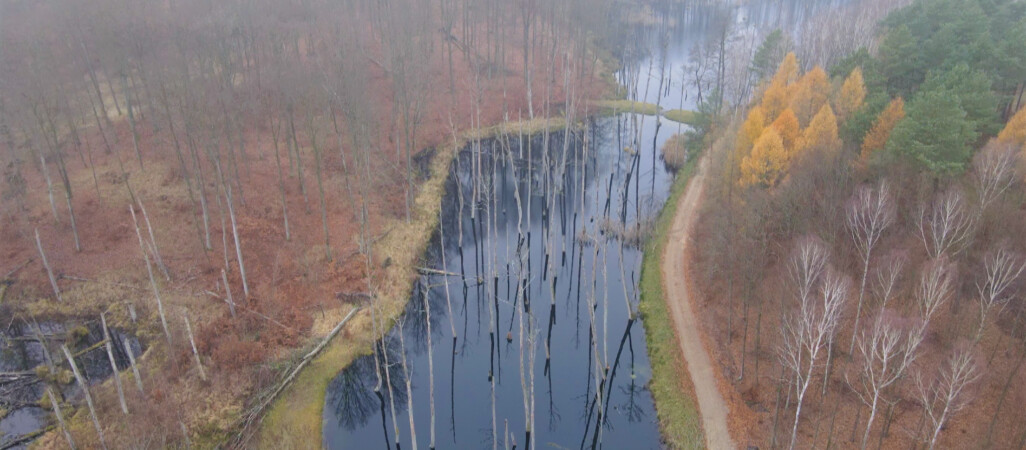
710,402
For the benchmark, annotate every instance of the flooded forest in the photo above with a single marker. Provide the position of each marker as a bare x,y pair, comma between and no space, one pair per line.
510,224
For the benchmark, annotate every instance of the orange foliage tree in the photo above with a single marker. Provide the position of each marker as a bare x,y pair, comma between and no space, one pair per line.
767,162
851,96
821,134
790,132
775,100
787,72
750,131
1015,131
877,137
810,94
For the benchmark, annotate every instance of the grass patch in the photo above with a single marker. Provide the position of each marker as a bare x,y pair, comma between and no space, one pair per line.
611,107
681,116
676,408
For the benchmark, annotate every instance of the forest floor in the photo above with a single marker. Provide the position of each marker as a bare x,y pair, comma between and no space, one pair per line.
712,407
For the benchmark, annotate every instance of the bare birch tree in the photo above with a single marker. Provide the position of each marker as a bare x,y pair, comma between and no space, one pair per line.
946,225
946,394
807,331
1000,269
885,351
870,212
993,173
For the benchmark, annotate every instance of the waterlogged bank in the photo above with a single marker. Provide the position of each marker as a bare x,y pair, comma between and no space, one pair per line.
295,418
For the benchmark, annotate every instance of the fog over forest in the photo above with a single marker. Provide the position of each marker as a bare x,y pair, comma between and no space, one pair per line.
517,224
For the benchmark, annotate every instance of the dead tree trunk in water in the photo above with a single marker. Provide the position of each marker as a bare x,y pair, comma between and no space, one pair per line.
60,418
85,389
113,364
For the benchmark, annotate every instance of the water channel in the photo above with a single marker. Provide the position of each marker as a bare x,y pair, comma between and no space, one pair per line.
528,311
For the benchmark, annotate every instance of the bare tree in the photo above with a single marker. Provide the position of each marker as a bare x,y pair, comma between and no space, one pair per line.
885,351
1001,268
935,286
870,212
85,389
946,225
153,281
888,274
60,417
113,365
807,331
49,271
993,172
943,397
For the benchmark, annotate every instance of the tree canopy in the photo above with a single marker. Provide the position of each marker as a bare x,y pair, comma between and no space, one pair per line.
936,134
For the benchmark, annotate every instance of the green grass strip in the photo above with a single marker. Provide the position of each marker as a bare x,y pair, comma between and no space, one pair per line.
671,387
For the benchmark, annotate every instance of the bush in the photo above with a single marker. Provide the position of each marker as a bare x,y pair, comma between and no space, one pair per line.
675,152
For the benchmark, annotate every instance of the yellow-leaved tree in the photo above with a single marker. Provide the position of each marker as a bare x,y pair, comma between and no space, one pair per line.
790,132
877,137
787,71
851,96
774,100
778,93
767,162
809,94
821,134
750,131
1015,131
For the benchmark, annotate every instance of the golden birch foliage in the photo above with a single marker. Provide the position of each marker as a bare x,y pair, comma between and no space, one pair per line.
821,134
851,96
809,94
790,132
877,137
750,131
1015,131
767,163
775,100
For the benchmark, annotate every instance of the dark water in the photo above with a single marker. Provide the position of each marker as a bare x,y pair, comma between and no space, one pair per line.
591,263
20,352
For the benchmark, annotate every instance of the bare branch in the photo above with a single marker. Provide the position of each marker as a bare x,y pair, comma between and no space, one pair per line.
946,225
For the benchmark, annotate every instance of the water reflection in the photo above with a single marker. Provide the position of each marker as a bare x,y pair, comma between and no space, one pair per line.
542,288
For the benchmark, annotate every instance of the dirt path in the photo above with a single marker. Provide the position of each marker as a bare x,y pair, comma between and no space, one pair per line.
710,402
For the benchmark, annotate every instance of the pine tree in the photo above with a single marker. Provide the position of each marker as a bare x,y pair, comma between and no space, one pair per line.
809,94
851,96
877,137
767,163
935,134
